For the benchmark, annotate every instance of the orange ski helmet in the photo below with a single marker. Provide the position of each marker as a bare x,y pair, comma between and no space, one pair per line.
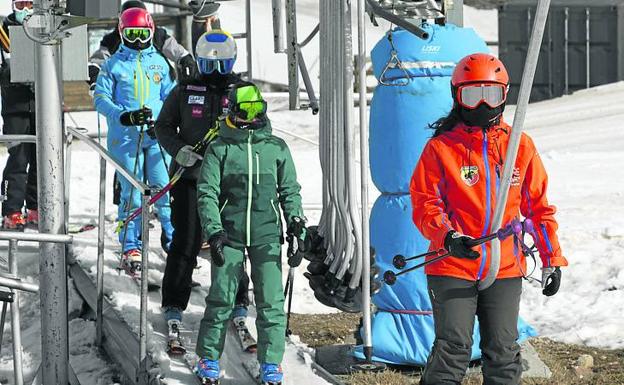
480,78
480,68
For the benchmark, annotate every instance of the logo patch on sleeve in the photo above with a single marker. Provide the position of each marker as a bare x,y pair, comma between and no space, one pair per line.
192,87
196,99
470,175
197,112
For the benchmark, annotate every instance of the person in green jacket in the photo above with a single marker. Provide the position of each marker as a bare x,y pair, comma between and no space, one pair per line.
247,178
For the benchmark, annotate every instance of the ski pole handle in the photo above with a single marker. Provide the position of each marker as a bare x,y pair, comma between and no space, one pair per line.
390,277
399,261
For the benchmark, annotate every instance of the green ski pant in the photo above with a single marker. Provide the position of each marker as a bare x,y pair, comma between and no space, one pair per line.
266,274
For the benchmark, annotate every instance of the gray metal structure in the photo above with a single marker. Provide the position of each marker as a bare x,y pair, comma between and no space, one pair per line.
583,45
526,85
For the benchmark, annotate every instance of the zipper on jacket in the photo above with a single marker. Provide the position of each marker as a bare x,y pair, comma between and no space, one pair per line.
223,207
498,178
249,185
257,168
487,204
275,211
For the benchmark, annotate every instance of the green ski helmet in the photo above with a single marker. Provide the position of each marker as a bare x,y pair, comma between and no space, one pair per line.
245,105
216,51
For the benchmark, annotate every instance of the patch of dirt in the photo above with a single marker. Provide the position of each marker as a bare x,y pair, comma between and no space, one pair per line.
325,329
339,328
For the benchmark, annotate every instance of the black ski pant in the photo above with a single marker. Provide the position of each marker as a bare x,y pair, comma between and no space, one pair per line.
455,303
185,246
19,179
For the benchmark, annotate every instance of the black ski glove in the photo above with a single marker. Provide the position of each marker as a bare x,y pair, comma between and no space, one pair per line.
187,69
295,235
457,245
151,132
94,71
551,280
136,117
217,242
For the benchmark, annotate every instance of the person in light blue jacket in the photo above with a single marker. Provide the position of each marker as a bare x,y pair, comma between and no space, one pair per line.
130,90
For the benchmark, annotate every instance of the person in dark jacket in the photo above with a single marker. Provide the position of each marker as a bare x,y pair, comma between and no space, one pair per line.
247,177
19,180
189,112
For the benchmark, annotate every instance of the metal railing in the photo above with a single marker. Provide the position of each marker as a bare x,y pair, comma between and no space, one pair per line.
142,374
16,284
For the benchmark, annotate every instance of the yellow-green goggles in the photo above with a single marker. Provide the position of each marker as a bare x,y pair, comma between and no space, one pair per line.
141,34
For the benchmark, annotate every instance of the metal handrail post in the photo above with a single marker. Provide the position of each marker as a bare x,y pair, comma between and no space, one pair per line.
279,45
291,51
18,138
248,40
16,331
143,375
361,71
100,257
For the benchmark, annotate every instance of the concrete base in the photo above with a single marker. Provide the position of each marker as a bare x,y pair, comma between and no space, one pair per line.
337,359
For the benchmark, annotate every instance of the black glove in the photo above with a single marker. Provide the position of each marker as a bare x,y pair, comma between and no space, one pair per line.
187,69
150,129
94,71
295,235
457,245
136,117
217,242
551,280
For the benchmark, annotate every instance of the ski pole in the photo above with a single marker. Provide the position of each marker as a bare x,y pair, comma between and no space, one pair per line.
289,288
515,227
134,172
210,135
399,261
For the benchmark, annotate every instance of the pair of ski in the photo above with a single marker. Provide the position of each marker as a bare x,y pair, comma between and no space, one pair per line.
176,345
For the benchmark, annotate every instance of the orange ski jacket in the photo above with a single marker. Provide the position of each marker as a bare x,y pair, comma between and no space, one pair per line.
454,187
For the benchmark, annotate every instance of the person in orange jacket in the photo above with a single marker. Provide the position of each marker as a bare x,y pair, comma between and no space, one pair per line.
453,191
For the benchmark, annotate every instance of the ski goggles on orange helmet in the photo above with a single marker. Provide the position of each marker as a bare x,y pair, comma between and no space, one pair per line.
132,35
472,95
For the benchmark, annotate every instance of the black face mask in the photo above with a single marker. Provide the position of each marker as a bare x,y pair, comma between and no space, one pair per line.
216,79
137,45
483,116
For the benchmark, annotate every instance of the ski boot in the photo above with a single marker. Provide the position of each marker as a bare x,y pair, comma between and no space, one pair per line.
32,218
247,341
175,345
271,374
14,222
208,371
131,262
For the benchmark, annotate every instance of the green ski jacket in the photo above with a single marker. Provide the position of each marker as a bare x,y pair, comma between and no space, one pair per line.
245,178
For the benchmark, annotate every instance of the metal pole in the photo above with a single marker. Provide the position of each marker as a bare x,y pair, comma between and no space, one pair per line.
454,12
18,284
15,319
100,260
279,45
566,51
516,132
52,264
248,40
361,71
143,375
587,49
291,52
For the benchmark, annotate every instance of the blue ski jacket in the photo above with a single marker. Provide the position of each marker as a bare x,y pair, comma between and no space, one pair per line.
129,80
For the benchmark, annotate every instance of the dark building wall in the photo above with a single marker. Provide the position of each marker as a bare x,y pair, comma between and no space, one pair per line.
581,46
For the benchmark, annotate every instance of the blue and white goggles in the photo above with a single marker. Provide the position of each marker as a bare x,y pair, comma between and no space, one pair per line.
223,66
